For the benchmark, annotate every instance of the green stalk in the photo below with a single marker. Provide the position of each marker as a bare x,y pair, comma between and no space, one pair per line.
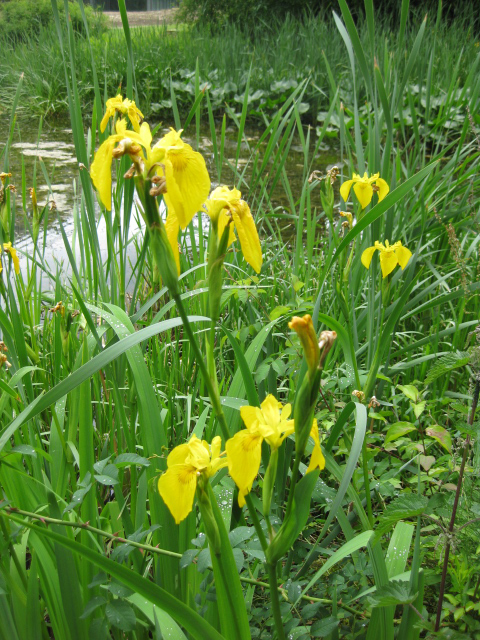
212,391
277,615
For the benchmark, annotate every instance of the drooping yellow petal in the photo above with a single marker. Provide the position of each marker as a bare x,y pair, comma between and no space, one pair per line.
223,220
244,452
317,461
172,228
383,188
7,246
345,189
388,262
177,488
101,171
189,171
134,114
364,193
403,255
367,256
247,234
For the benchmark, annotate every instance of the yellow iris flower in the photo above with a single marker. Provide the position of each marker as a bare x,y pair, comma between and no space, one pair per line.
363,188
186,463
390,256
184,170
126,107
7,247
225,204
270,422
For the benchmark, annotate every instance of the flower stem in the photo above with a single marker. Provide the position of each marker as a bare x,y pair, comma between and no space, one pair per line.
466,447
211,388
277,615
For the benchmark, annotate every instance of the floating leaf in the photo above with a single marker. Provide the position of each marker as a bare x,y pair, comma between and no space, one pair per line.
441,435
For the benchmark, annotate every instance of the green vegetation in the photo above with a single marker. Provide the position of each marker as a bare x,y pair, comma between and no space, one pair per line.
283,56
111,362
22,20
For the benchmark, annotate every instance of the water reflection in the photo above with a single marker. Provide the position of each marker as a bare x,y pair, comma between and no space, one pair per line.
48,162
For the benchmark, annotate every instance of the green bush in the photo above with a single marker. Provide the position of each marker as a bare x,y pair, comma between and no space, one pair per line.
22,18
246,12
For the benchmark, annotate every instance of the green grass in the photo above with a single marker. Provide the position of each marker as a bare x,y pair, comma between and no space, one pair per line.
95,400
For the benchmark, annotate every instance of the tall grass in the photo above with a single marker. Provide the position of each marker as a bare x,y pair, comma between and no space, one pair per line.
282,54
94,401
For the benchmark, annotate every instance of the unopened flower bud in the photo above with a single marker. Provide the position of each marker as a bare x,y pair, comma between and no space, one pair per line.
325,343
308,337
359,395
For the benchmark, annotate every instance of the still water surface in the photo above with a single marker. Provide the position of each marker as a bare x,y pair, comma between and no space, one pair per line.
49,164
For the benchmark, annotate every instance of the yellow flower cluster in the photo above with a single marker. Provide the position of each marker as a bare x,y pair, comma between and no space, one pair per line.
184,174
270,422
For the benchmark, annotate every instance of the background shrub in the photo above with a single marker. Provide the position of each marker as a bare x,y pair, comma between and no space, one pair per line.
22,18
215,12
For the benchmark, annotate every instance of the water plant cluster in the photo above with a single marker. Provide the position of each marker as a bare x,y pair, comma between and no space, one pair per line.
251,413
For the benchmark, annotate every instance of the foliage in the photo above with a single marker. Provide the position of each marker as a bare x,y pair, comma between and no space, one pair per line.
219,12
24,19
110,361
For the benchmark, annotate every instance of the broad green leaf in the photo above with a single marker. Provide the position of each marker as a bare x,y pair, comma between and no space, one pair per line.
130,459
410,391
447,363
397,430
441,435
406,506
393,593
121,615
426,461
323,628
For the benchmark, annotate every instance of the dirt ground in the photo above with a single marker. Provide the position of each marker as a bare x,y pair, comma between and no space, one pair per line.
142,18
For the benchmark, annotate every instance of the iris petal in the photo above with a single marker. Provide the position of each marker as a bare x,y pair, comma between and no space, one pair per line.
101,171
403,255
244,452
345,189
364,193
177,488
388,262
367,256
248,235
383,188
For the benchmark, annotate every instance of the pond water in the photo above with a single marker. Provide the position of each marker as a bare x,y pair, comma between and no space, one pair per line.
49,162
